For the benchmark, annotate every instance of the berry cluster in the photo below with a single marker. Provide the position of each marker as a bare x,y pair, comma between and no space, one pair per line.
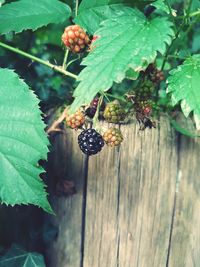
89,140
75,38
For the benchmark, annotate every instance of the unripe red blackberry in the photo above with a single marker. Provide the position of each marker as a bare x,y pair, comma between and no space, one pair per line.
75,38
113,137
93,107
114,112
75,120
145,108
90,142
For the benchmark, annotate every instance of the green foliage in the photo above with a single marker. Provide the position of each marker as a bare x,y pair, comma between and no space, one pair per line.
97,11
1,2
184,86
18,257
22,144
179,128
30,14
127,41
160,5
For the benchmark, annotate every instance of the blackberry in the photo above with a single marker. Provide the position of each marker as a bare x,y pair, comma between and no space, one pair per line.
90,142
113,137
76,120
91,111
145,107
114,112
75,38
146,90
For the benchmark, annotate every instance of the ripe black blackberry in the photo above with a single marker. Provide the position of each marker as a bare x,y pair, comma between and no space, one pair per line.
90,142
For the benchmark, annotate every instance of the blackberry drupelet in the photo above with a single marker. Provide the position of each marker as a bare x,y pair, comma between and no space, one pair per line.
90,142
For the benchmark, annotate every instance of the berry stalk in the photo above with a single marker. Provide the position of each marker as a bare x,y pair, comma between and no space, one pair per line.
39,60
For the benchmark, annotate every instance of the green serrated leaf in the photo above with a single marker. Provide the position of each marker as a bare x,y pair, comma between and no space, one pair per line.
92,13
2,2
18,257
23,143
126,42
31,14
160,5
96,12
183,130
184,86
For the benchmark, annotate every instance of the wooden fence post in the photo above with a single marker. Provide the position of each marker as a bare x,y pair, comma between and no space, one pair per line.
134,217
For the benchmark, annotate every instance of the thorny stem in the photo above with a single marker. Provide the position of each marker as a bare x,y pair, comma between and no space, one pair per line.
64,66
169,48
170,11
115,97
55,125
39,60
72,61
76,10
193,14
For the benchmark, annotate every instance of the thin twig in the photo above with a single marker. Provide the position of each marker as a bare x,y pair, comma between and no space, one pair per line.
64,66
55,125
76,10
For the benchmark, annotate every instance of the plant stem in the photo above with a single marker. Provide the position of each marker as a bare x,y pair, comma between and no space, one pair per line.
193,14
115,97
171,12
177,57
39,60
76,10
64,66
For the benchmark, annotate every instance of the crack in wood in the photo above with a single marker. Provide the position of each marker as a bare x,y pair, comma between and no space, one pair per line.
84,204
175,200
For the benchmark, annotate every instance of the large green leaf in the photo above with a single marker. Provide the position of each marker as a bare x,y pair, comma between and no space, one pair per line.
127,41
31,14
92,13
184,86
160,5
2,2
23,143
18,257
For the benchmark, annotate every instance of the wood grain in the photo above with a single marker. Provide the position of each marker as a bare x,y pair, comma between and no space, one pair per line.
185,245
130,200
66,162
134,217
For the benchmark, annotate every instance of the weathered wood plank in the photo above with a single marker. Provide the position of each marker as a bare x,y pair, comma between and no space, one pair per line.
66,162
130,200
185,245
